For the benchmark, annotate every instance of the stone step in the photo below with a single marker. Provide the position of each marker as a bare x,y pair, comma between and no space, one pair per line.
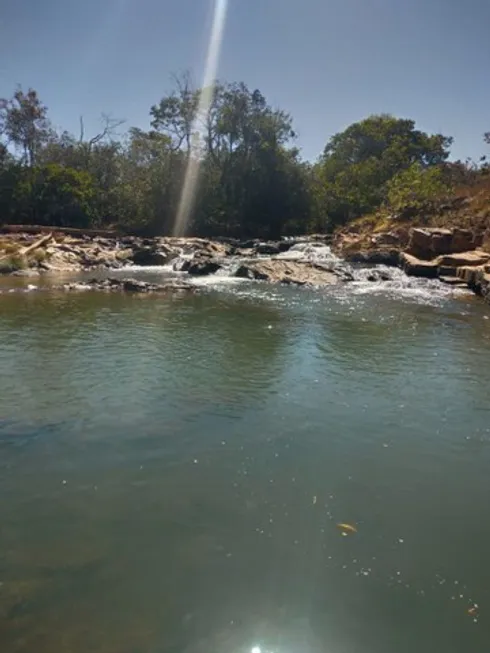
453,281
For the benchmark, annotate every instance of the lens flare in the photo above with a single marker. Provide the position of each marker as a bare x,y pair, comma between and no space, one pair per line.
189,186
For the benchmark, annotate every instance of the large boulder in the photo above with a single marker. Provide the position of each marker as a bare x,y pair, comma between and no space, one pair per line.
289,272
203,265
429,243
150,255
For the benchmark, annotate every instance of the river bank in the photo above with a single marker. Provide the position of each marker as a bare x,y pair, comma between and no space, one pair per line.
452,256
457,256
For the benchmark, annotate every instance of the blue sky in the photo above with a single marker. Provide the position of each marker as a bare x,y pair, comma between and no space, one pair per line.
328,62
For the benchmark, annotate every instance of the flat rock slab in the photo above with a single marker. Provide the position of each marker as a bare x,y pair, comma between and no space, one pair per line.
453,281
127,286
291,272
476,257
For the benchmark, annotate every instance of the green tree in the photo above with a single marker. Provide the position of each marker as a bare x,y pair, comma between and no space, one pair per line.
358,162
416,188
51,195
25,124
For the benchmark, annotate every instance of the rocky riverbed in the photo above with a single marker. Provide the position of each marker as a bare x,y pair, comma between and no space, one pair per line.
454,257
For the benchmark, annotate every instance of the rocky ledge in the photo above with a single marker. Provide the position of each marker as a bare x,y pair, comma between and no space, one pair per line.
27,255
298,273
454,256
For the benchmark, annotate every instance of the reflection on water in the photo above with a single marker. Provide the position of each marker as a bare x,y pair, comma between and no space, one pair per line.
173,471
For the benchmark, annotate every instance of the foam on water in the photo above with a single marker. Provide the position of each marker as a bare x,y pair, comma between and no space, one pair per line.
370,280
151,269
395,283
312,252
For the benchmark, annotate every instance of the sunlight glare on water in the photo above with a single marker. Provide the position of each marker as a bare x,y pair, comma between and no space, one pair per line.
192,172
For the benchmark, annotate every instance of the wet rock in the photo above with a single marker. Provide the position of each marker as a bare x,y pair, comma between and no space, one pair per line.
477,279
446,271
150,255
378,275
289,272
127,286
269,248
202,265
181,264
247,271
417,267
390,257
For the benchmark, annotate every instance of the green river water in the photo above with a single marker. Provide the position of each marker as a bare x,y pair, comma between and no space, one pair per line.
173,470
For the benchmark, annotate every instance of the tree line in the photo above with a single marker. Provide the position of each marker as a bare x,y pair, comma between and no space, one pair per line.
252,180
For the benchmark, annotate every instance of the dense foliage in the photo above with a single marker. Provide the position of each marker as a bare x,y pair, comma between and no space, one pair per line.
251,181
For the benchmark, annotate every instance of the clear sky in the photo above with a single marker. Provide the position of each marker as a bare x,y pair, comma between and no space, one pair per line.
328,62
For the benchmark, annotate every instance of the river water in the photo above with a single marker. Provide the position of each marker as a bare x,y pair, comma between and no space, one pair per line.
173,471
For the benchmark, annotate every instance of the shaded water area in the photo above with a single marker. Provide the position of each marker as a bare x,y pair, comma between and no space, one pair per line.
172,472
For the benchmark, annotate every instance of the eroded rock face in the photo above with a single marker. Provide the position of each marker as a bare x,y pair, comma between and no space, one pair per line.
430,243
416,267
477,278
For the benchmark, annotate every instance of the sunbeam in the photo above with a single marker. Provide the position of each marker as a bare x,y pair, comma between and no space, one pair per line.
189,186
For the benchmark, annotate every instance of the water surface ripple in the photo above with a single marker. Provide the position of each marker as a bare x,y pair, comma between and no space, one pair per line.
172,472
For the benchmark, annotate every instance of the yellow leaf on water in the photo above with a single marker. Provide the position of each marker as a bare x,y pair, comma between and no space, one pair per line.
347,528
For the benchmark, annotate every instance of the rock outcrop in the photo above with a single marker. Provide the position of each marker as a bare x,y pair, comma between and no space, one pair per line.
445,265
430,243
416,267
299,273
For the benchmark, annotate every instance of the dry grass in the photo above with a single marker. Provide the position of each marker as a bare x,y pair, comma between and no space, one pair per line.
38,255
468,207
12,263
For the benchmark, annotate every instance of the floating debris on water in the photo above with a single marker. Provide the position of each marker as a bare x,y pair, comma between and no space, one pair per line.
346,528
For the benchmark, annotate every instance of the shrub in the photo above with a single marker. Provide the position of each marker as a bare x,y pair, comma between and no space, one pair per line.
416,188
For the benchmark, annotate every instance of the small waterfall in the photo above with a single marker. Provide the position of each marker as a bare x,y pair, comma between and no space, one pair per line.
311,252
